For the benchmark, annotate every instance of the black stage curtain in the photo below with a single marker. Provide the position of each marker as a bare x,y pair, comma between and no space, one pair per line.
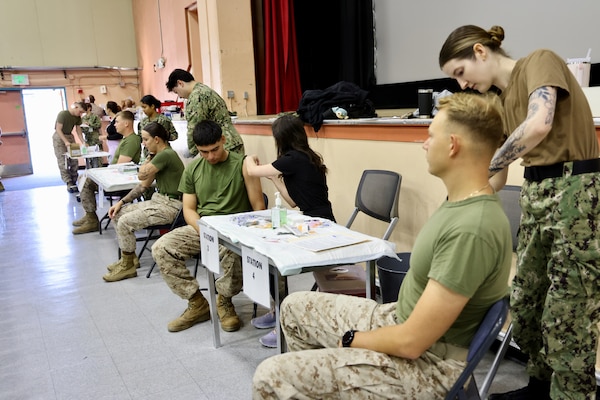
335,42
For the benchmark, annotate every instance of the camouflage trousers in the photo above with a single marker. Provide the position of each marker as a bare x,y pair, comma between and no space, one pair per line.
173,249
68,168
313,324
159,210
88,195
555,300
92,139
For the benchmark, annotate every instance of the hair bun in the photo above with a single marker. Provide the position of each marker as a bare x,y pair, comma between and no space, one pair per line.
496,34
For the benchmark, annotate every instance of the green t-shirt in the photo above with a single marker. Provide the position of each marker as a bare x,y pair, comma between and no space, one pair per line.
130,146
466,247
169,172
68,121
219,188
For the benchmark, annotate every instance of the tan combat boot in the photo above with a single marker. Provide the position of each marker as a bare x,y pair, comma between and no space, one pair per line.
81,221
136,262
198,311
123,270
91,224
230,322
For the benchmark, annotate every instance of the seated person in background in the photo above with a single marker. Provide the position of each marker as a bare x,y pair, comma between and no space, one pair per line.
96,109
129,149
150,106
164,165
129,105
300,176
217,183
90,126
112,109
415,348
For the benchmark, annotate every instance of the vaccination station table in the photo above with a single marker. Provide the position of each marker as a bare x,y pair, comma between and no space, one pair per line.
304,244
113,178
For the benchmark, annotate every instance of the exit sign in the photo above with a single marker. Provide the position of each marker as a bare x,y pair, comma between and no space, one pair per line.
20,79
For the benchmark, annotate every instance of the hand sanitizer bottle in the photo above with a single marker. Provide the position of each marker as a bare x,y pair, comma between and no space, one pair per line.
278,213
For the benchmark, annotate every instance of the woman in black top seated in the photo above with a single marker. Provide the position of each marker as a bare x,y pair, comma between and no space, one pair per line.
112,109
300,176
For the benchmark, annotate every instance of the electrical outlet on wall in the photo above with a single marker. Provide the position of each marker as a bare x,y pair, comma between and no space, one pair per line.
103,89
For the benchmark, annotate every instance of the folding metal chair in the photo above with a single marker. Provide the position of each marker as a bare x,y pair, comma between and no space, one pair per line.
465,386
509,196
376,196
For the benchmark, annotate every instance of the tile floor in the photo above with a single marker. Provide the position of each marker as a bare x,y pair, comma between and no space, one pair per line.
66,334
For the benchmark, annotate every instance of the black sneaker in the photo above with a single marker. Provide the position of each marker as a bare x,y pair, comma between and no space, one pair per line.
72,189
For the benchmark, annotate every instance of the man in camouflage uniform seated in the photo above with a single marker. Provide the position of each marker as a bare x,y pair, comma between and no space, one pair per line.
346,347
216,183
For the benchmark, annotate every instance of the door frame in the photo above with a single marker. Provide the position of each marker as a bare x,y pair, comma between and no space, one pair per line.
40,137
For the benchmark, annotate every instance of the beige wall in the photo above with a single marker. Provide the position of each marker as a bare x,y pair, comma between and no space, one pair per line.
420,194
67,33
223,32
148,34
69,43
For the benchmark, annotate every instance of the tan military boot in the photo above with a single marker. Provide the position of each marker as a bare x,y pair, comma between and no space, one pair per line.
123,270
80,221
91,224
198,311
230,322
136,262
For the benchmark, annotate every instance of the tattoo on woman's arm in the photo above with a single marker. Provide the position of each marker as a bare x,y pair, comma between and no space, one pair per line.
548,95
513,148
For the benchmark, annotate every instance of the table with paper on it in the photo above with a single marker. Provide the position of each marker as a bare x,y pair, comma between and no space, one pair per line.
323,243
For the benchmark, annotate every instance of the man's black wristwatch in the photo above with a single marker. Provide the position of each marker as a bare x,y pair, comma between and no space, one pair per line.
348,338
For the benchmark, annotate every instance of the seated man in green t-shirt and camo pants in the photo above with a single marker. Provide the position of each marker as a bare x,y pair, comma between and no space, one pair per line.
350,347
217,183
129,149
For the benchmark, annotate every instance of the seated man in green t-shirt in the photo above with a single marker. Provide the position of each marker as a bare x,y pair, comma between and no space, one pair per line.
163,165
129,149
217,183
416,347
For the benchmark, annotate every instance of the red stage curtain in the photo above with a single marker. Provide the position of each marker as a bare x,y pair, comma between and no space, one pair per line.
282,79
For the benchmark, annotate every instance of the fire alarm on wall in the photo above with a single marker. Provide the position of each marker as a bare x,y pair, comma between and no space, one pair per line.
79,91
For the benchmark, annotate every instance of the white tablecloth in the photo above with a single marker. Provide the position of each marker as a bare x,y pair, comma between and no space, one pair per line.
113,178
289,258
